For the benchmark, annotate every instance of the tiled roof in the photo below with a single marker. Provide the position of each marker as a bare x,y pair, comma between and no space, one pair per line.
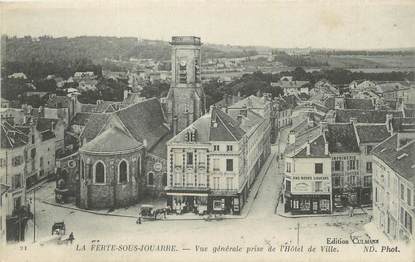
145,120
358,103
95,125
228,101
202,125
12,137
342,139
44,124
329,102
301,139
58,101
250,101
317,148
160,149
372,133
364,116
226,129
409,110
401,160
111,140
403,123
81,118
46,135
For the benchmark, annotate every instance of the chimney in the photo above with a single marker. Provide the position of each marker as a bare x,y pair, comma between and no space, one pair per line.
226,98
388,123
51,126
326,148
291,137
244,111
308,150
324,127
145,143
353,120
249,102
239,118
175,124
338,102
211,108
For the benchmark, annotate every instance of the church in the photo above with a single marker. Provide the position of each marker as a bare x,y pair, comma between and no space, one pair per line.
123,152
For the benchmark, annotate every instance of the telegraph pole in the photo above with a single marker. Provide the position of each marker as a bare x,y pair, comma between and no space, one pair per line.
34,214
298,233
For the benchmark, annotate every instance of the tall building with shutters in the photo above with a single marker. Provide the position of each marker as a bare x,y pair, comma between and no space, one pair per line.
185,101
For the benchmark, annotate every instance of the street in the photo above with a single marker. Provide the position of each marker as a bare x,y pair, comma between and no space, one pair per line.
259,226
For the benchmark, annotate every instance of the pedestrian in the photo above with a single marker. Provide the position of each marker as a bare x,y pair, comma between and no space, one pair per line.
71,238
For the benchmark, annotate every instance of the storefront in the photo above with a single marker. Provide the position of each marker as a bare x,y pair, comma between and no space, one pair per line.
307,204
224,204
184,202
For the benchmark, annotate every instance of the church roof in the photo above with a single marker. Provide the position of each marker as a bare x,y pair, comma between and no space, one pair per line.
110,141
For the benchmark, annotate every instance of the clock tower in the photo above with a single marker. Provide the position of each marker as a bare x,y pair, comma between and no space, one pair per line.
186,99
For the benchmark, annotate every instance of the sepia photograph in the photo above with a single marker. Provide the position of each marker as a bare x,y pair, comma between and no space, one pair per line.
235,130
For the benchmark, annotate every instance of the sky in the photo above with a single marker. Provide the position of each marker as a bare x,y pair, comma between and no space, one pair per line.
342,24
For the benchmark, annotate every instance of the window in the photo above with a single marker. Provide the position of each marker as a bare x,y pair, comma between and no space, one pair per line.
189,160
123,172
408,222
367,181
216,183
150,179
288,186
216,165
41,162
369,167
33,153
352,164
178,160
318,168
216,148
17,203
296,204
337,165
16,181
305,204
353,180
229,164
409,196
324,205
17,160
139,166
229,183
288,167
318,186
164,179
402,192
336,181
229,148
368,149
81,169
33,139
376,194
99,173
2,162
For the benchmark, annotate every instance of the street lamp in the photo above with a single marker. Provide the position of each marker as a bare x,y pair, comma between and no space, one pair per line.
34,213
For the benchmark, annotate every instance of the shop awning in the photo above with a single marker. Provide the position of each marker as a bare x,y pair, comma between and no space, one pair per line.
186,194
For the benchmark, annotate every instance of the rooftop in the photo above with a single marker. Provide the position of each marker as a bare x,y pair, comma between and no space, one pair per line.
401,160
342,138
372,133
